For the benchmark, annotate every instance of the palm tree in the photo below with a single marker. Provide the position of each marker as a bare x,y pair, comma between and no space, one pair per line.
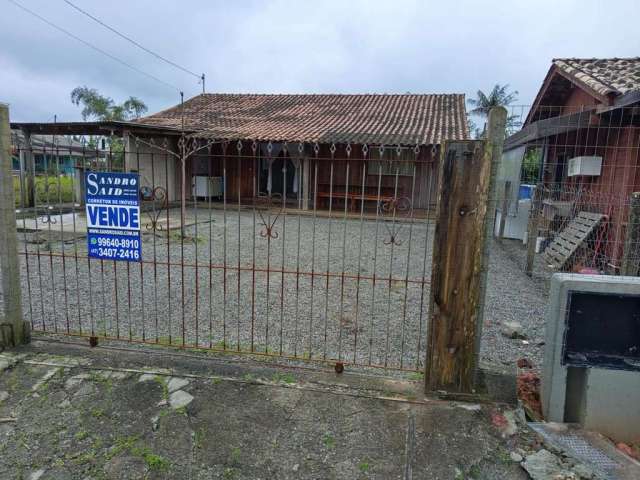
500,96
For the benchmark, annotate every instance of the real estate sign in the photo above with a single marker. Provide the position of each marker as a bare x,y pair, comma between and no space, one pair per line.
113,216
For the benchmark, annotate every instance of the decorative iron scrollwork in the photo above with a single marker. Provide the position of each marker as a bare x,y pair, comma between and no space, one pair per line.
264,204
154,201
397,208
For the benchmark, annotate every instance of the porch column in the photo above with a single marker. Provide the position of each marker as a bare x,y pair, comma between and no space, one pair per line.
305,184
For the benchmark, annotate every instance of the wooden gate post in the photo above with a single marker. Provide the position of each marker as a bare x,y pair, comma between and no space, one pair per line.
13,330
464,228
631,255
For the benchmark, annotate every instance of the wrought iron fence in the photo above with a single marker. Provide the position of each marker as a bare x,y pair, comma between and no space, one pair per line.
308,251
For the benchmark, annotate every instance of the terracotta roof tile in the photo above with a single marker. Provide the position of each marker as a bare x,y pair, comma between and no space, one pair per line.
368,118
604,75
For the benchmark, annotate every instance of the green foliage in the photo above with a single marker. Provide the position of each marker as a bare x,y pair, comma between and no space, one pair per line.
51,190
364,466
103,108
531,164
499,96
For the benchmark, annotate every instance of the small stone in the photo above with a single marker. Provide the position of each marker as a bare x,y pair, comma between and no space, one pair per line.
37,474
162,403
176,384
85,389
515,457
4,364
155,423
472,407
3,396
544,465
584,472
180,399
124,468
147,377
512,330
76,380
45,378
65,404
296,467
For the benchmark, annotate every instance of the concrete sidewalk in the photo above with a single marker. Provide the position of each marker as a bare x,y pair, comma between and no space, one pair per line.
70,412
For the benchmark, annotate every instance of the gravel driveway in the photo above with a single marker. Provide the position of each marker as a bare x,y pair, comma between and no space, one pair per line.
370,308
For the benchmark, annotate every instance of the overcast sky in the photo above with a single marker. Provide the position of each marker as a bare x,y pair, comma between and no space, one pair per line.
299,46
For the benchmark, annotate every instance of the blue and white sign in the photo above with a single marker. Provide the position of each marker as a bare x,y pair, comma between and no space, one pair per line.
113,216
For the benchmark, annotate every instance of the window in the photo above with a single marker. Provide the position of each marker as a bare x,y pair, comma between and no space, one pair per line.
392,163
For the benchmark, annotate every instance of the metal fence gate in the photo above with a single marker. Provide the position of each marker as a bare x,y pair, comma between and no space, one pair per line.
310,251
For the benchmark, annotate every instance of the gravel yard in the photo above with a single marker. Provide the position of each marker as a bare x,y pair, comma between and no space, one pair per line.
202,290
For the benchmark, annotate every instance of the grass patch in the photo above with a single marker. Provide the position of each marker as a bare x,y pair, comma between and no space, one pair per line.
364,466
416,376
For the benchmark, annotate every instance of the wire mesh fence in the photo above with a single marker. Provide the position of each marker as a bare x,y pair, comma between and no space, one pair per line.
573,174
317,252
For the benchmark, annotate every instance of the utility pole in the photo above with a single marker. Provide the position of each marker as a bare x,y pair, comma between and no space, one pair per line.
13,330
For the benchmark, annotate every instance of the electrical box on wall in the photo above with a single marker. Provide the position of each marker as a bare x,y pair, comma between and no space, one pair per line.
590,166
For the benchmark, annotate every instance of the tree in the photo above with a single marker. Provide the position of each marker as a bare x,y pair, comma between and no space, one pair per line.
500,96
102,108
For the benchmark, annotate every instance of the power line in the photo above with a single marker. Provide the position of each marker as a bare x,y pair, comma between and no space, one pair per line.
90,45
129,39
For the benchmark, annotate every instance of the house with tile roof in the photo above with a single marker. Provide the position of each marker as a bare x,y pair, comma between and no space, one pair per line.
585,124
324,151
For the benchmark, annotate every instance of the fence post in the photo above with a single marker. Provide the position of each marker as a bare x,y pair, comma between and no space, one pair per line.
464,228
13,330
532,228
505,208
631,256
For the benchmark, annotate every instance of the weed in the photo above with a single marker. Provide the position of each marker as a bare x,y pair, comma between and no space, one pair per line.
181,411
155,462
363,466
248,377
416,376
81,435
216,380
97,413
228,473
284,377
329,441
235,456
198,438
165,388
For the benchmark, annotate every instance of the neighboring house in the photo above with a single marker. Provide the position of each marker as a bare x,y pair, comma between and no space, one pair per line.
409,127
52,154
585,123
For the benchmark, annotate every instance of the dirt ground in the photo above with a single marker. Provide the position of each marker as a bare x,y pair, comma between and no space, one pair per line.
70,412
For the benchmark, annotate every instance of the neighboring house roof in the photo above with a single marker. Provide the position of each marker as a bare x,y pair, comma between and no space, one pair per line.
50,144
367,118
605,76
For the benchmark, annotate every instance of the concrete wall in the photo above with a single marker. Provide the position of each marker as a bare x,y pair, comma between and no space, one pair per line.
157,167
607,401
